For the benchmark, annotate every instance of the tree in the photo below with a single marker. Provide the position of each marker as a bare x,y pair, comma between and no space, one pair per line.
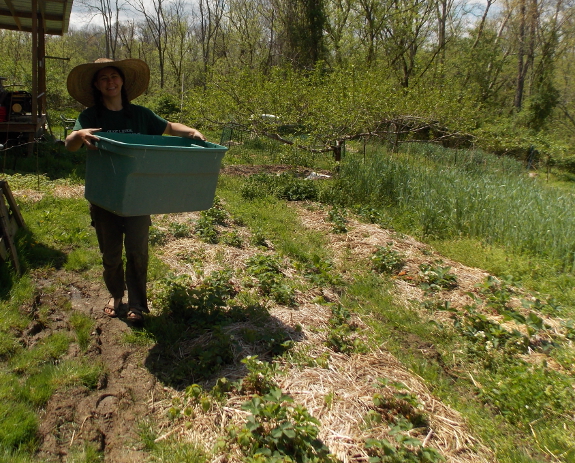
155,27
109,11
304,22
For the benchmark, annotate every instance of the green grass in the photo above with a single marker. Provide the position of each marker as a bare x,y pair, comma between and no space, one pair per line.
539,274
489,200
82,325
170,450
56,228
274,219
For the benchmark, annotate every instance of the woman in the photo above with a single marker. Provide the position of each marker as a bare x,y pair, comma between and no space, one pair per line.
106,88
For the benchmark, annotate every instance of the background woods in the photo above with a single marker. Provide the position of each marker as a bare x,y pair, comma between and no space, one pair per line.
497,74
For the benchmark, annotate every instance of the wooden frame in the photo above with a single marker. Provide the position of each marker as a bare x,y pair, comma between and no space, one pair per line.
10,221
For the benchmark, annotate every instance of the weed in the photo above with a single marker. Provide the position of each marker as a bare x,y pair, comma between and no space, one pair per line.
524,393
49,349
83,327
139,337
85,454
170,450
292,188
386,260
259,238
18,425
369,214
257,186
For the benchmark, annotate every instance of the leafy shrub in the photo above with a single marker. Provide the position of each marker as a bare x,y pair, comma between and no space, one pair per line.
197,304
206,229
405,449
261,376
217,212
232,239
340,335
487,338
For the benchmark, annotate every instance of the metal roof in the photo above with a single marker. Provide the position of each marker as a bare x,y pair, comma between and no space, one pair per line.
17,15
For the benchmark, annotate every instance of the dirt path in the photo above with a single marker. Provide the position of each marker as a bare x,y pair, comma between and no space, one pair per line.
107,417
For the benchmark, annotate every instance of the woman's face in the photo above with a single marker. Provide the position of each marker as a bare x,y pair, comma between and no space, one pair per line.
109,82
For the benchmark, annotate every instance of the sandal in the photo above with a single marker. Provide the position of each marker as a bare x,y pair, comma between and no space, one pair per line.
135,316
110,309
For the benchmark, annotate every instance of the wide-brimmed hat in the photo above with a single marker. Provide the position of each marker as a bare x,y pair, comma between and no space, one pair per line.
136,78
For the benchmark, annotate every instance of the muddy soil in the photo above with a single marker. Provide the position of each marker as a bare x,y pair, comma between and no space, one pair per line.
108,417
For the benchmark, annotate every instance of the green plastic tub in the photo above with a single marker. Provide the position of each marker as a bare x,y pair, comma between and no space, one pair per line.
133,174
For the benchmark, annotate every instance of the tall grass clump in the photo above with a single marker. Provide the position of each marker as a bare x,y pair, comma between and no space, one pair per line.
446,194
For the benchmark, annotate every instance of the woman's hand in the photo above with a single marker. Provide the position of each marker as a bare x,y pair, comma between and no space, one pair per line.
180,130
77,138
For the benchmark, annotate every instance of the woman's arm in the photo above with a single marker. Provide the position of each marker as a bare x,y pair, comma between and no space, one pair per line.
180,130
77,138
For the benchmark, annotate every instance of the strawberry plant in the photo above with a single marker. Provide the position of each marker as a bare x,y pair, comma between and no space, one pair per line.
279,430
337,217
386,260
320,271
437,277
266,269
404,449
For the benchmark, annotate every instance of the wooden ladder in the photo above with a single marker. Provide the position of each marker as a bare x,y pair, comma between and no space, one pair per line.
10,221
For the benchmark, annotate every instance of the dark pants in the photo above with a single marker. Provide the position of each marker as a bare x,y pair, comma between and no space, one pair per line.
114,233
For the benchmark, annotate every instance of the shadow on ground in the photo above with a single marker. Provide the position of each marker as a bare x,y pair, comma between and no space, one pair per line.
195,345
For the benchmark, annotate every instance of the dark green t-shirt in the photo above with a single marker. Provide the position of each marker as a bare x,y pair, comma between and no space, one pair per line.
142,120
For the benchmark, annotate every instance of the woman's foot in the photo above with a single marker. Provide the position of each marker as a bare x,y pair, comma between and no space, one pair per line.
111,308
135,316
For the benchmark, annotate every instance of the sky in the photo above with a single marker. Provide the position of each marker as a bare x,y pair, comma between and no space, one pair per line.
79,18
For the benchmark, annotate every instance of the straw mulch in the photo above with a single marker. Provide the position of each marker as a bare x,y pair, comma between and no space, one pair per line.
339,394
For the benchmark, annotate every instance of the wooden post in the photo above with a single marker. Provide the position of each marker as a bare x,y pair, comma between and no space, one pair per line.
10,221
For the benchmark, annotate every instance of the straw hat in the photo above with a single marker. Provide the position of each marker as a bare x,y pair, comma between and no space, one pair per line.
136,73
